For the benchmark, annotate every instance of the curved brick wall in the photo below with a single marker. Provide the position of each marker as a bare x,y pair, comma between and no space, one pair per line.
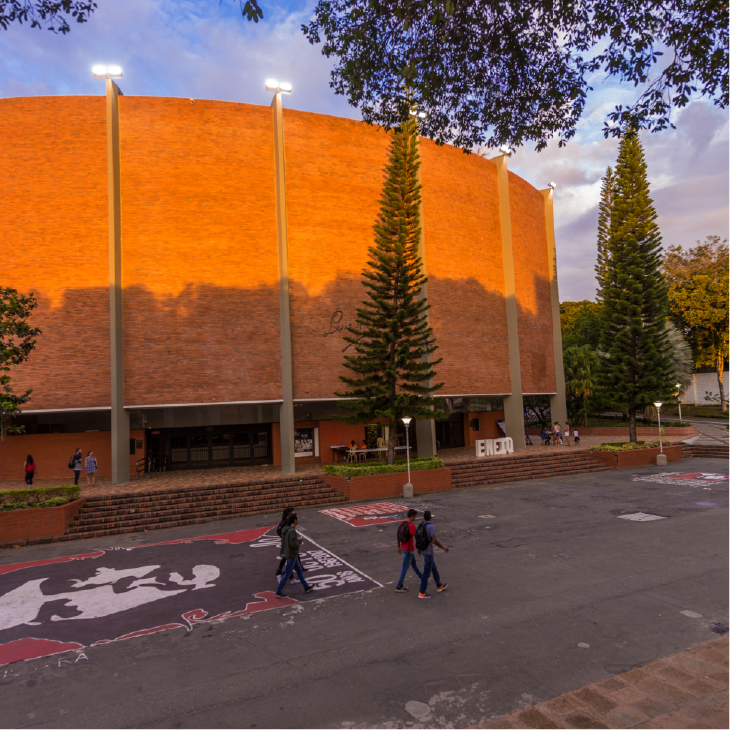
200,251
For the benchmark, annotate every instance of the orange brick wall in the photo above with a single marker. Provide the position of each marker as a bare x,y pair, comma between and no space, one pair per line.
377,486
334,179
55,242
26,524
464,267
52,451
532,283
488,428
201,298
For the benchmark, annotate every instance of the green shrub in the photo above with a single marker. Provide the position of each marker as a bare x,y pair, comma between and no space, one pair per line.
431,462
39,497
628,446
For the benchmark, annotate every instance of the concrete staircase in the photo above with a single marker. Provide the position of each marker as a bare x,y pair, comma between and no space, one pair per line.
177,507
704,451
519,467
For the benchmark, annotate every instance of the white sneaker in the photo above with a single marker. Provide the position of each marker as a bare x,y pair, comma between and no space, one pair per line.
295,580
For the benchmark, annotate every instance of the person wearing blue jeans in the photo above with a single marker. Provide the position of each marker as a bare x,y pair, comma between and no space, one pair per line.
290,543
408,550
429,564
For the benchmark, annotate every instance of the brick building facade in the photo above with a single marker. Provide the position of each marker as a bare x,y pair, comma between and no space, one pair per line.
202,280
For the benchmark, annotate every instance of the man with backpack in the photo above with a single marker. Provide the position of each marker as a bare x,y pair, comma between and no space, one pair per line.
406,547
425,540
290,543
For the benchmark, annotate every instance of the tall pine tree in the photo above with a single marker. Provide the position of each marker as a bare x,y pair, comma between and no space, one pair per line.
636,369
392,372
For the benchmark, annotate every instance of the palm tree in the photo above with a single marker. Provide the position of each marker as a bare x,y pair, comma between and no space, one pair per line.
580,365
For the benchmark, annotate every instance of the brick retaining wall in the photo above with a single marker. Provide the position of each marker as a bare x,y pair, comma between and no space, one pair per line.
23,524
636,457
376,486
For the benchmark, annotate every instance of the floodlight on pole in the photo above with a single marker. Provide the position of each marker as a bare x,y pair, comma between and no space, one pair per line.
408,488
278,87
552,185
102,71
506,150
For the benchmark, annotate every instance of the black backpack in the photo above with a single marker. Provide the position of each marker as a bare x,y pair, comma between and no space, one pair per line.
404,532
422,537
280,527
72,462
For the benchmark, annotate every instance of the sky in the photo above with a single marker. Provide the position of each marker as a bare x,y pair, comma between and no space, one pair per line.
204,49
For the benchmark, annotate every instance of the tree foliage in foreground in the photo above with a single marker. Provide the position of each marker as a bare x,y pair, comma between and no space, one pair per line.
635,368
391,372
518,71
17,341
51,14
698,300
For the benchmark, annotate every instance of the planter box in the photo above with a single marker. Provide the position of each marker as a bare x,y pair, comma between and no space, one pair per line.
641,431
376,486
25,524
636,457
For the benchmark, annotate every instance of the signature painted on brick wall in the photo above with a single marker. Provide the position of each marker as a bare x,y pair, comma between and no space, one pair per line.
336,325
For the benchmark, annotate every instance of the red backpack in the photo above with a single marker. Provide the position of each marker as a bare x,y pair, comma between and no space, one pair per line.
404,532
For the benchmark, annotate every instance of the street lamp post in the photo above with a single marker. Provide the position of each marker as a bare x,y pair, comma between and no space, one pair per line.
661,459
408,488
679,399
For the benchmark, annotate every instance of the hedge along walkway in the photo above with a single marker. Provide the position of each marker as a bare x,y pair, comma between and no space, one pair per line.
688,690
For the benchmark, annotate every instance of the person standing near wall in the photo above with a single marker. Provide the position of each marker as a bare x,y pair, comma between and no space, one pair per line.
78,460
91,468
567,434
29,467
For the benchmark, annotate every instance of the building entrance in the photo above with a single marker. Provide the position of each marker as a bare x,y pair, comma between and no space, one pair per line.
209,447
450,433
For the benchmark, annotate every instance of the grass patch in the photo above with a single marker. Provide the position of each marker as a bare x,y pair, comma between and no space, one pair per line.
628,446
39,497
431,462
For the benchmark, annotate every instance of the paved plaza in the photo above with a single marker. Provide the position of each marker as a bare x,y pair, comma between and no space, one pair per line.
550,589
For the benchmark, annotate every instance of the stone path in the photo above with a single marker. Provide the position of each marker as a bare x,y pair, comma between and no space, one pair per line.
712,433
688,690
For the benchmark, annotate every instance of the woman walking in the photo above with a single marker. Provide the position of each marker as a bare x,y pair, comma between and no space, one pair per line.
91,468
77,459
30,468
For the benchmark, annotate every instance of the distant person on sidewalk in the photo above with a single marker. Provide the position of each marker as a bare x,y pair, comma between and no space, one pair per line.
567,434
576,437
91,468
557,434
425,540
407,548
29,467
77,461
290,543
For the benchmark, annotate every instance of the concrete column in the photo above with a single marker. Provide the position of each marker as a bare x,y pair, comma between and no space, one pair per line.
558,408
425,430
286,412
120,417
514,410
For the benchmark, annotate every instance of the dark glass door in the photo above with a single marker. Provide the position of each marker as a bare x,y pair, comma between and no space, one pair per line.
450,434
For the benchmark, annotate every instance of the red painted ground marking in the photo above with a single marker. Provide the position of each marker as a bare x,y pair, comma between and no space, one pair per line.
19,566
230,538
29,648
368,514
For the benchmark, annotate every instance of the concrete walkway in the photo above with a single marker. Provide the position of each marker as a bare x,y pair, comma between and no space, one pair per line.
202,477
687,690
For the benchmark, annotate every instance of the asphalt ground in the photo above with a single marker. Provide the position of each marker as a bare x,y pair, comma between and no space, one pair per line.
510,631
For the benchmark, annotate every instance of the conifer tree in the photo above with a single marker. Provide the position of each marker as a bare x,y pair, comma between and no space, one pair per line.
636,368
605,208
392,375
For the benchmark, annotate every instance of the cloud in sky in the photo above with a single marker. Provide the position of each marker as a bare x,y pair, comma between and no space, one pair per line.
204,49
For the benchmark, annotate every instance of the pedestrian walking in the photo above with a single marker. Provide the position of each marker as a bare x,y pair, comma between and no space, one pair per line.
290,543
29,467
407,548
92,467
567,434
576,437
425,540
76,463
284,517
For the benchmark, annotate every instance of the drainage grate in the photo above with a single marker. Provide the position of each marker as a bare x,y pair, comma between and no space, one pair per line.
641,517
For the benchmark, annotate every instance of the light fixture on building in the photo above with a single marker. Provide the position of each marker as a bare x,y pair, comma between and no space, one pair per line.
506,150
101,71
552,185
281,87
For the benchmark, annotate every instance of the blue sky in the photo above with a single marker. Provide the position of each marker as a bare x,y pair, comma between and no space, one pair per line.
204,49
